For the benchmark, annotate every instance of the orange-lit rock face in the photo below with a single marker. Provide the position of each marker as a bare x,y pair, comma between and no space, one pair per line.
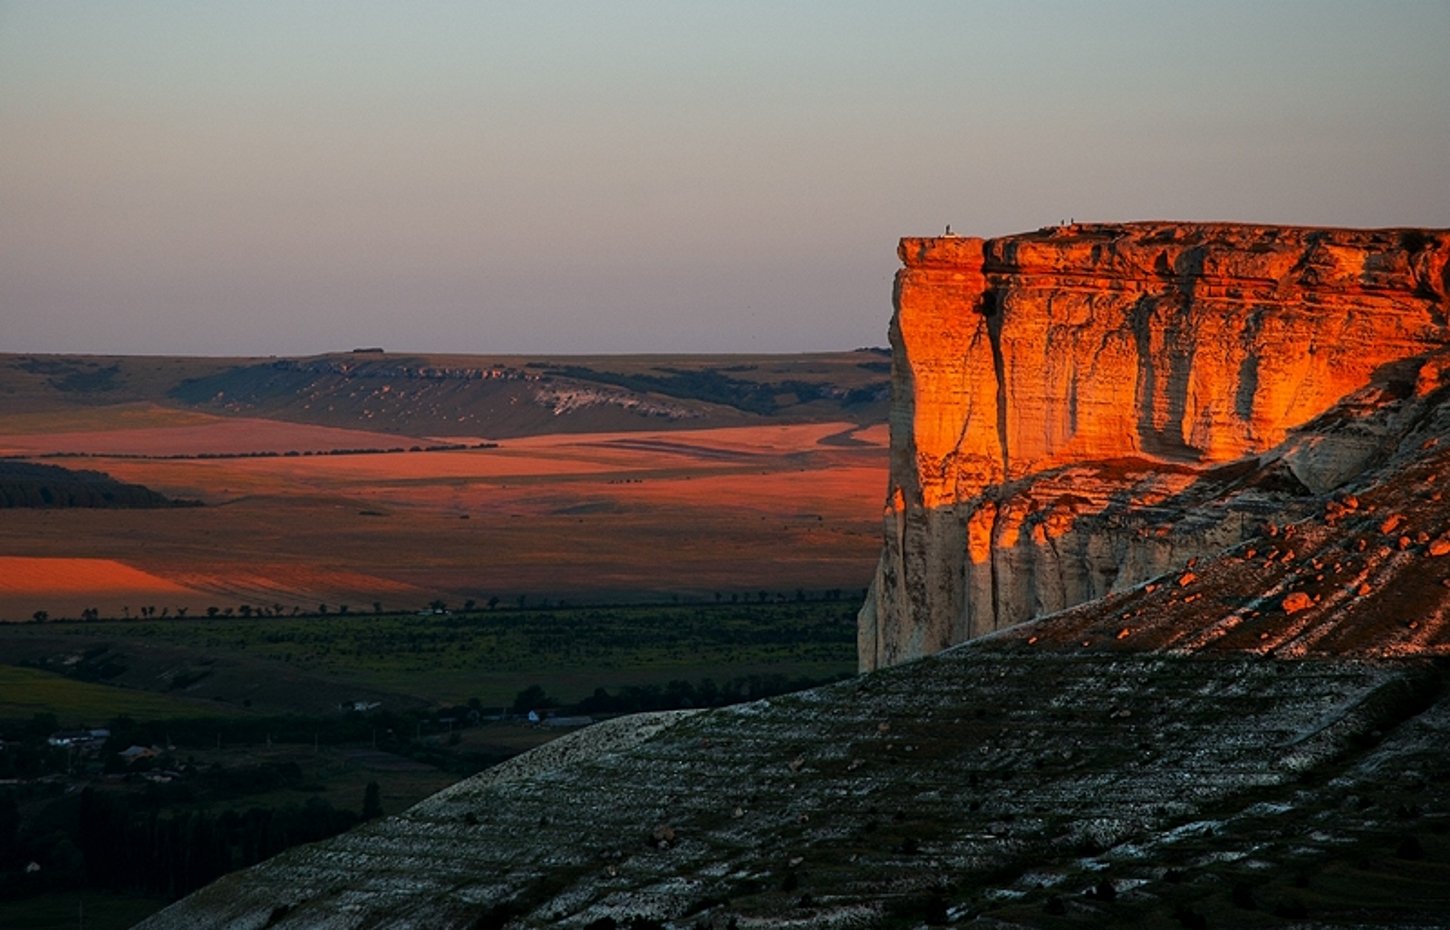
1068,403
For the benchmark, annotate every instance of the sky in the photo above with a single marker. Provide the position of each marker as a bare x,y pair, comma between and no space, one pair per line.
255,178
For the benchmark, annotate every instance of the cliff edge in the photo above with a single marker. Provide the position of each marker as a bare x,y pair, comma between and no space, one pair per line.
1257,738
1082,408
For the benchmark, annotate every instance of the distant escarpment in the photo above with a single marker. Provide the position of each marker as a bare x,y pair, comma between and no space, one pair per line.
1083,408
513,396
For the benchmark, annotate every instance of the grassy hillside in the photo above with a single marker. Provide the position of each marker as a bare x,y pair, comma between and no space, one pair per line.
25,692
51,384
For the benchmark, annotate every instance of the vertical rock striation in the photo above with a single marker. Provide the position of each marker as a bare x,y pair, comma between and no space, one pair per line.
1079,409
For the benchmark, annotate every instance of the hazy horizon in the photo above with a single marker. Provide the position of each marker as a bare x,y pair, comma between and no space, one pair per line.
647,177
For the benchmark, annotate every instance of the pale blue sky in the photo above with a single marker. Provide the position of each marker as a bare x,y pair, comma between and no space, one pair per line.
260,177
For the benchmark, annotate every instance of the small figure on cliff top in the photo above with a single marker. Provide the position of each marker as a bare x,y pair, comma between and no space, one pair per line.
949,231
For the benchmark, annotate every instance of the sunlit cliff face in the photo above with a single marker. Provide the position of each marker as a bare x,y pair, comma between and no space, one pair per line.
1062,398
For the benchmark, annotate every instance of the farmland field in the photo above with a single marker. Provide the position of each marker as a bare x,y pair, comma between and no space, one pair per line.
517,504
311,665
667,510
27,691
609,516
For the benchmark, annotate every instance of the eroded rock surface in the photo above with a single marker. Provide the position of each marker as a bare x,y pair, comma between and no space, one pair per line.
1252,734
1082,408
995,780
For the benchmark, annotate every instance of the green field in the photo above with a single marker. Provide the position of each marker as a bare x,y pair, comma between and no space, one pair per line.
305,664
259,746
25,692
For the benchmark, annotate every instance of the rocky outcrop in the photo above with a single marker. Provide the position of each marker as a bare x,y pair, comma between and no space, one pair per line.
1257,737
1082,408
990,784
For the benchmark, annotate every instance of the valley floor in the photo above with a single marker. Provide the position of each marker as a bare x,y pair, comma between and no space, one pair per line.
596,516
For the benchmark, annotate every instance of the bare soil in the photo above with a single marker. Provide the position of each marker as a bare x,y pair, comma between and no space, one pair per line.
605,515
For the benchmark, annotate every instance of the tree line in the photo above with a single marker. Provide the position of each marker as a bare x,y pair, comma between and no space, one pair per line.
28,484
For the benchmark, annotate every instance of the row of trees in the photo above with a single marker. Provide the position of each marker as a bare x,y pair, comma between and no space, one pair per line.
28,484
437,606
269,454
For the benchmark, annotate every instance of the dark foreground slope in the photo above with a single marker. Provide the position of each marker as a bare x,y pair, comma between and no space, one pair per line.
1018,787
